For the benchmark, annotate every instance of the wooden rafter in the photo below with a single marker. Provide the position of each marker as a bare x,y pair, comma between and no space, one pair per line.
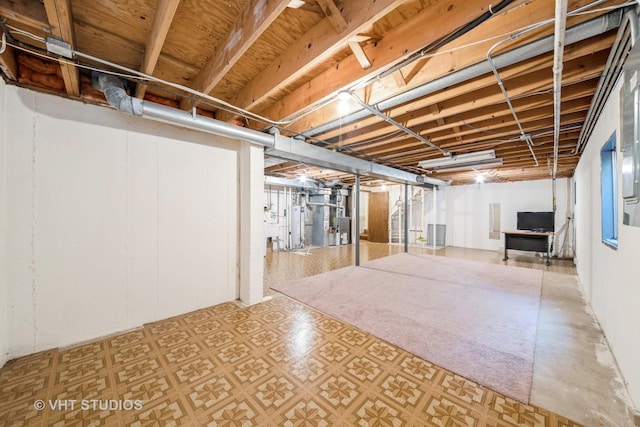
61,21
311,50
165,12
255,19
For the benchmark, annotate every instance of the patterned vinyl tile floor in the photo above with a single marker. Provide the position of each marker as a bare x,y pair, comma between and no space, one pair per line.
277,363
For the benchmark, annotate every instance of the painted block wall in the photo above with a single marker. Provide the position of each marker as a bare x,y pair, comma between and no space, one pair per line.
609,278
111,221
467,209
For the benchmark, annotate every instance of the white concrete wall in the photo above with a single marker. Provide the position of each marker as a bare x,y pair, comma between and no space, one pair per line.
4,304
112,221
250,258
609,278
467,209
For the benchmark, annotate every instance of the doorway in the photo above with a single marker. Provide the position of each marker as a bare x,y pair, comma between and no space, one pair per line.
379,217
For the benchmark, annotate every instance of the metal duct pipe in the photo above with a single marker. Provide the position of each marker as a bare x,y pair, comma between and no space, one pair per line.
279,146
575,34
633,23
301,152
117,96
331,205
161,113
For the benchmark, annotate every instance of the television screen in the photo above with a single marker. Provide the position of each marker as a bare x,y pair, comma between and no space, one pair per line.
536,221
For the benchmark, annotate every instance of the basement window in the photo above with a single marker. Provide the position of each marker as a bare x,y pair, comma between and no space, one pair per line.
608,189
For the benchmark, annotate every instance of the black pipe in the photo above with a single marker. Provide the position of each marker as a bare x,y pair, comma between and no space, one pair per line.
447,39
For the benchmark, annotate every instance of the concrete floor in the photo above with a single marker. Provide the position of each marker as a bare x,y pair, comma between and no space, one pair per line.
575,374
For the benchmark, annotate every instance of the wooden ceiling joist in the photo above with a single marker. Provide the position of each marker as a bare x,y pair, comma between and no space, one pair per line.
165,11
8,63
438,66
61,21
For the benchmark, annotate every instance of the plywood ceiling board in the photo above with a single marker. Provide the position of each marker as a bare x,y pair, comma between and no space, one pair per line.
131,20
247,28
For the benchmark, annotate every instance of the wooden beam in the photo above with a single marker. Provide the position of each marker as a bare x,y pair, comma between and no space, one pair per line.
165,11
8,64
398,77
61,21
27,12
254,20
334,15
311,50
358,52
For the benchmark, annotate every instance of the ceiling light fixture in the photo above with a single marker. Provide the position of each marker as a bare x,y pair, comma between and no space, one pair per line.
468,166
462,161
344,102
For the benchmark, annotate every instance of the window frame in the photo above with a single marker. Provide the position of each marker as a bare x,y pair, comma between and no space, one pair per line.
609,192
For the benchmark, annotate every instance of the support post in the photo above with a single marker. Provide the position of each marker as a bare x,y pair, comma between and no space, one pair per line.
406,217
356,235
435,219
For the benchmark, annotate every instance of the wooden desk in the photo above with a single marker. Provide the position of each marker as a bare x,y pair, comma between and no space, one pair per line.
527,241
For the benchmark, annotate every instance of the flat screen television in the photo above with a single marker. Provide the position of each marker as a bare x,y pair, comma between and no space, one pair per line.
536,221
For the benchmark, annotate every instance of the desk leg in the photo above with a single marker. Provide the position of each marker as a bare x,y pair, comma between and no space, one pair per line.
505,251
548,262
